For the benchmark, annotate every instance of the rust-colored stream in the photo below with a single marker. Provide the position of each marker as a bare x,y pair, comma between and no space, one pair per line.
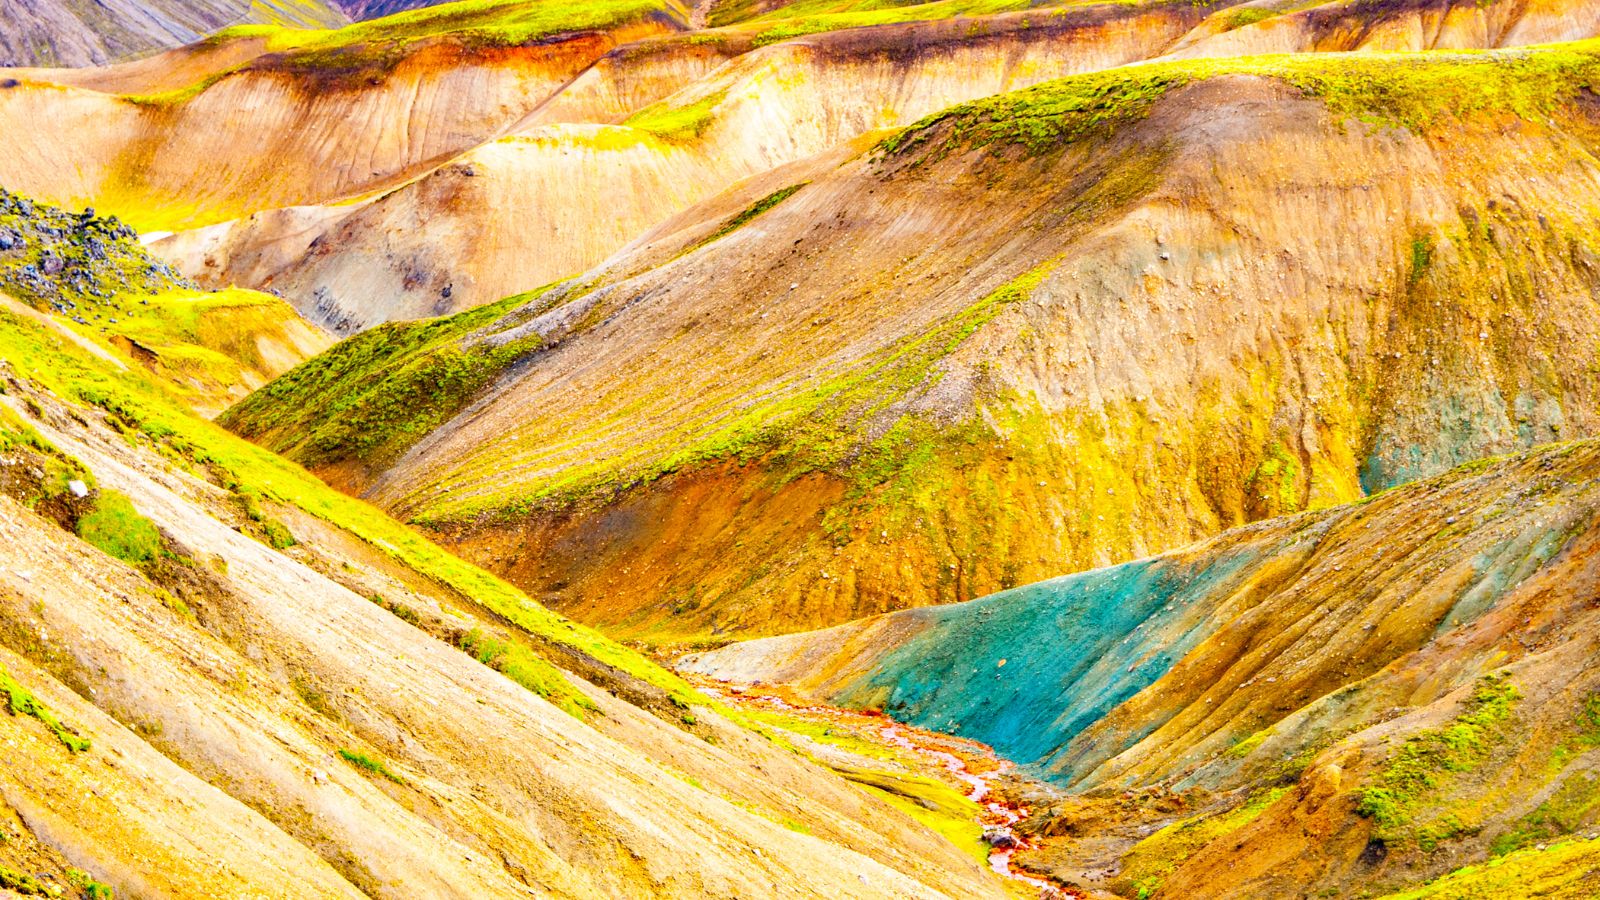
970,763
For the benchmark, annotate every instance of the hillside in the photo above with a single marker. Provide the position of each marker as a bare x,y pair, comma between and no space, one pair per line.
87,279
222,673
1339,703
1057,329
658,125
64,33
327,115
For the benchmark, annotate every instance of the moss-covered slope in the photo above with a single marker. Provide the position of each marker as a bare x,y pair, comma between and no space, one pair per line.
221,671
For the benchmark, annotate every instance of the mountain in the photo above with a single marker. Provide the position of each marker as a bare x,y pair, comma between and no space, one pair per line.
1338,703
325,115
559,192
63,33
1047,331
226,679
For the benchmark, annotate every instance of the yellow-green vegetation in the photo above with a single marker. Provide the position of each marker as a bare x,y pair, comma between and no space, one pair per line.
1248,745
1416,771
1575,803
1400,90
677,123
146,410
520,665
380,43
59,469
118,529
750,212
372,396
270,530
92,889
193,336
816,16
21,702
370,764
809,430
22,883
1250,15
94,272
1562,871
1157,856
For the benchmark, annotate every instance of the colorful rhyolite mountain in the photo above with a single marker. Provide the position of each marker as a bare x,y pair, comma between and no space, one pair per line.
224,679
1055,329
1344,700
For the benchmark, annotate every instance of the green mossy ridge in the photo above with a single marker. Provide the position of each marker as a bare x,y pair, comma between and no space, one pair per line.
147,410
811,430
372,396
369,764
1240,18
116,528
1423,764
1575,803
522,666
750,212
803,18
21,702
92,889
1400,90
677,123
1558,870
1154,859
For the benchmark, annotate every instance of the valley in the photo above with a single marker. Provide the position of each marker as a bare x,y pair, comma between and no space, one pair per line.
832,448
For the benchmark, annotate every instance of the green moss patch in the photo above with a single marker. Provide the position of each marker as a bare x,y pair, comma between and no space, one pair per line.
1156,857
119,530
21,702
529,670
1400,90
1421,767
744,216
370,764
677,123
372,396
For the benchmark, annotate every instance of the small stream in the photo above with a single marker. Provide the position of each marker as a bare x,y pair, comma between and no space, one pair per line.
977,767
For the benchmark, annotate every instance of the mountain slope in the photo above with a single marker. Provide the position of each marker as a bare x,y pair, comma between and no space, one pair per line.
222,673
549,200
1413,670
64,33
1054,330
328,115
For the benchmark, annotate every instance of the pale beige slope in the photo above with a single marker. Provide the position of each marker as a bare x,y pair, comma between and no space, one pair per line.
129,815
501,793
265,137
550,200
